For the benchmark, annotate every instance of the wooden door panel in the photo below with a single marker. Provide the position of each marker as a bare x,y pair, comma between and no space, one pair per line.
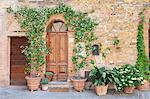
57,59
52,42
17,69
63,69
17,57
52,68
62,48
17,61
18,77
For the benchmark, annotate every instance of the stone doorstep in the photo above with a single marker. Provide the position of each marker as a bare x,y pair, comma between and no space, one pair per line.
58,83
58,89
59,86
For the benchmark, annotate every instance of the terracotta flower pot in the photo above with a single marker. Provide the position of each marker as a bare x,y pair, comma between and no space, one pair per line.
145,86
129,90
33,83
44,87
101,90
78,84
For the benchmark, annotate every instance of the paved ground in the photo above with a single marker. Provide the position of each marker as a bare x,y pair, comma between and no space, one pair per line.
23,93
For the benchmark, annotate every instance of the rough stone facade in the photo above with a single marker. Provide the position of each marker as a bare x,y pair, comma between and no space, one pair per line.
116,18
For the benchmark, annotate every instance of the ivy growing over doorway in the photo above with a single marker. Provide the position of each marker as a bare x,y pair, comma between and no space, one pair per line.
33,20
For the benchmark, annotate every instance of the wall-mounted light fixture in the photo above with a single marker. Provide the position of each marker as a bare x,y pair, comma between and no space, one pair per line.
95,49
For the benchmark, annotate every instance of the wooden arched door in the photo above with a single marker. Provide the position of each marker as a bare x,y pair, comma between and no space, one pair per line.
57,60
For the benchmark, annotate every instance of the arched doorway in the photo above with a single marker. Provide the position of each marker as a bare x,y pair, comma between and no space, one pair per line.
57,40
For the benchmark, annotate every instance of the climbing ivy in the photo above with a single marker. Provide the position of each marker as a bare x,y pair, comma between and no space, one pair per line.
33,20
142,59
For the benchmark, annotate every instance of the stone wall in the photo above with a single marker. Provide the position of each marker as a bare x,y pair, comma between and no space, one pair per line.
116,18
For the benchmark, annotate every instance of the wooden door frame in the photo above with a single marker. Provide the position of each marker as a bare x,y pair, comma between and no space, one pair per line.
9,36
11,46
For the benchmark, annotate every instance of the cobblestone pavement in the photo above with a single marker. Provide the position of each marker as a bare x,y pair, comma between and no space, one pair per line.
23,93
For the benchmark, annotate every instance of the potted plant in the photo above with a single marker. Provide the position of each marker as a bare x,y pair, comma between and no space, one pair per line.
44,84
100,78
35,52
78,81
33,83
49,75
126,78
130,77
115,78
36,48
35,61
145,85
79,60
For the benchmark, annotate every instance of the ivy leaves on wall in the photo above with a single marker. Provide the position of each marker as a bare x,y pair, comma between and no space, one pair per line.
34,20
142,59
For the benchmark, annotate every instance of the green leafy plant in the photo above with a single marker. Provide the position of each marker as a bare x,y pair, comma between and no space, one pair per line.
128,75
33,21
116,41
44,81
115,78
99,76
9,10
142,60
49,73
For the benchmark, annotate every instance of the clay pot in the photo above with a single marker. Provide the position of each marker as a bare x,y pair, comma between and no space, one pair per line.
78,84
129,90
33,83
44,87
101,90
145,86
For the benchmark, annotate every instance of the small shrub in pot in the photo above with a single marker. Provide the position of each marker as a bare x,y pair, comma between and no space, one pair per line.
129,78
44,84
100,78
